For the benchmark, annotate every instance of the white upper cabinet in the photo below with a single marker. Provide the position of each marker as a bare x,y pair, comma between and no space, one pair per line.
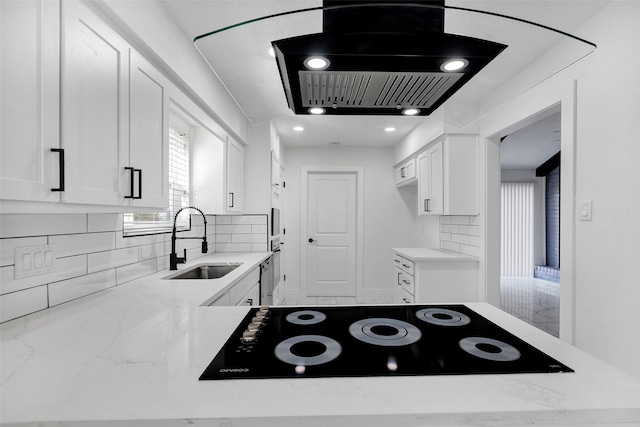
95,117
406,173
114,117
29,100
235,173
148,135
448,176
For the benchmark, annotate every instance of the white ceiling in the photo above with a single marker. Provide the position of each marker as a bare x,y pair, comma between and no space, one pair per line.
239,57
530,147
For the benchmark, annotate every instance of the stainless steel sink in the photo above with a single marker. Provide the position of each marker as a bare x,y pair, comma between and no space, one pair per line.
208,271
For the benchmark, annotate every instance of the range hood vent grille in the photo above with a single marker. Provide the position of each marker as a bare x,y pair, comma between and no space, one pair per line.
374,89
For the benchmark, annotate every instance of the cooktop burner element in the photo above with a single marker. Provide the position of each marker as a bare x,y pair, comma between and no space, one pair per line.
385,332
442,317
376,340
306,317
308,350
489,349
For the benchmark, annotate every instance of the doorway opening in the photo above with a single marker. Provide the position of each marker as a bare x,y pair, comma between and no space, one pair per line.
530,223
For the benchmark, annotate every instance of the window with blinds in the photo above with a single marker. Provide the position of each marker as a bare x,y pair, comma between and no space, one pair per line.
136,224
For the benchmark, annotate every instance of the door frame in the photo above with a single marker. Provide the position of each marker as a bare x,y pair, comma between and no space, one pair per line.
517,114
359,173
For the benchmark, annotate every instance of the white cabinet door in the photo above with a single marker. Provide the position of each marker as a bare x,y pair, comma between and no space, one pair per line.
95,67
252,298
147,180
29,100
430,182
235,172
406,173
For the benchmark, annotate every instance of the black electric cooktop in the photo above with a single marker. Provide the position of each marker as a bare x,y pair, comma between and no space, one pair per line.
376,340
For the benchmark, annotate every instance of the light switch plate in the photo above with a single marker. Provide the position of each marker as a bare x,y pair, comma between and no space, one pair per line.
584,210
33,260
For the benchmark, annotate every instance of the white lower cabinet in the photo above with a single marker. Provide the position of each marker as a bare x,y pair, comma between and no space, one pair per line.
245,292
435,281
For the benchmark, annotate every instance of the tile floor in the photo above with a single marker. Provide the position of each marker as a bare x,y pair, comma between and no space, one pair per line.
534,301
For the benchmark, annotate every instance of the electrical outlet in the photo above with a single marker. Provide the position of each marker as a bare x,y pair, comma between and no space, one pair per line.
33,260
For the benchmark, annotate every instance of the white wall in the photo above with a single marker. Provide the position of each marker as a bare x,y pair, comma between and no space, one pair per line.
257,170
388,220
603,289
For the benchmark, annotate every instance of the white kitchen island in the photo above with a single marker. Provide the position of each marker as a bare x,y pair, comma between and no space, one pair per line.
132,355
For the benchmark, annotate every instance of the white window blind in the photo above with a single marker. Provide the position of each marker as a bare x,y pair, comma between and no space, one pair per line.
517,229
162,222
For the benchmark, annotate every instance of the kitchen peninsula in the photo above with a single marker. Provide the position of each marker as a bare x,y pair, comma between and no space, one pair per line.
133,355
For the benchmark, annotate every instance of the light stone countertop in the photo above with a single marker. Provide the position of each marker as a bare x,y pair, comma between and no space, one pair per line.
432,254
132,356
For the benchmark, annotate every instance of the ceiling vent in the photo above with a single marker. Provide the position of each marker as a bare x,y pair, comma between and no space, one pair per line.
381,58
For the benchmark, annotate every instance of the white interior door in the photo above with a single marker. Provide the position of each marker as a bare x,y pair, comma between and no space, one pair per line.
331,224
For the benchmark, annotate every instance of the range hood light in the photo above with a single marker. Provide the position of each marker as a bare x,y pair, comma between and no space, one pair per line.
316,63
456,64
410,111
316,110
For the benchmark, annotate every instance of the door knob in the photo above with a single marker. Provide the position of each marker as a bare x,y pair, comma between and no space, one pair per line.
310,240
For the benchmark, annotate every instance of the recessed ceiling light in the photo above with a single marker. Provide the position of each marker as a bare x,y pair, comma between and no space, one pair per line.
272,52
456,64
410,111
298,128
316,110
316,63
389,129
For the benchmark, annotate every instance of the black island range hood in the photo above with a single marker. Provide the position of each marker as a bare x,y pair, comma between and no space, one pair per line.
383,59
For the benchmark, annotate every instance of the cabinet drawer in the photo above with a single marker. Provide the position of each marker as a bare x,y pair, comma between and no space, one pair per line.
240,289
404,264
407,282
407,297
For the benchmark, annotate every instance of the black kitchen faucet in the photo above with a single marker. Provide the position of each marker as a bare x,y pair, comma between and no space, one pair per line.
174,260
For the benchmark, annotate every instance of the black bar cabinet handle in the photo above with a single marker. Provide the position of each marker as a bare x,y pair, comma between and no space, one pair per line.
139,183
132,170
232,200
60,151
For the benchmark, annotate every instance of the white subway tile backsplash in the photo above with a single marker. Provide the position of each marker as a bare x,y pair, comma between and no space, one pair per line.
223,238
111,259
259,247
460,234
128,242
223,219
154,251
67,290
131,272
26,225
248,238
249,219
233,247
259,228
8,246
64,268
459,220
76,244
21,303
450,246
235,228
104,222
92,255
